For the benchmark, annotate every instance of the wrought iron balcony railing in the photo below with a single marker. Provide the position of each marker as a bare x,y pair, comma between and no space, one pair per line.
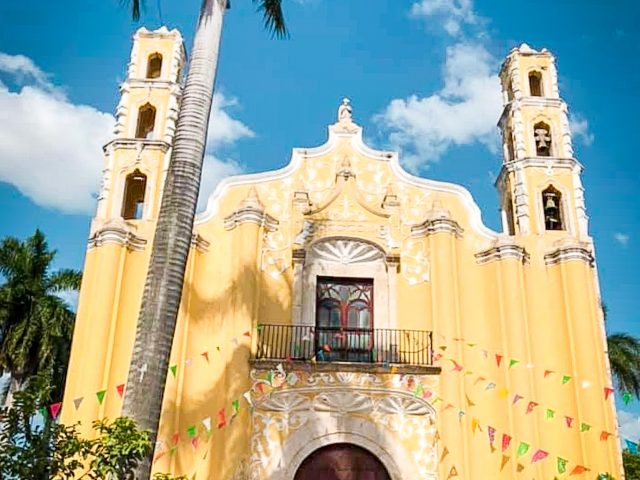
327,344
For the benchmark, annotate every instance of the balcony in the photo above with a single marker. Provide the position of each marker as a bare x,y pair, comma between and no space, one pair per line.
325,345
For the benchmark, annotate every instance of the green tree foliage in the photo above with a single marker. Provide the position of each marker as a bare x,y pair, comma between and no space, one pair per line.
40,449
35,323
631,465
624,357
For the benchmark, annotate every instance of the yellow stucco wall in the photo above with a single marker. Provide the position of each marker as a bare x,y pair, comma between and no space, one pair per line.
532,297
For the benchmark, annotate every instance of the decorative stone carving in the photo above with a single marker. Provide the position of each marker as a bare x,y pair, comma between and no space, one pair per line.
251,210
346,251
345,111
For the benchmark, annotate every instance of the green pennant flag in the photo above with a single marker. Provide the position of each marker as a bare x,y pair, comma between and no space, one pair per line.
192,431
513,362
43,411
235,405
418,390
522,449
584,427
101,395
270,377
550,414
565,379
174,370
626,397
260,327
562,465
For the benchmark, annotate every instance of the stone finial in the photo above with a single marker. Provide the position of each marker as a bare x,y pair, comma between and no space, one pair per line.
345,111
252,200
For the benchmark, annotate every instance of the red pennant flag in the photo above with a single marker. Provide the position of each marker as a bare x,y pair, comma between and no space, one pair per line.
206,356
578,470
547,373
175,438
221,418
448,406
54,409
195,441
605,435
607,391
569,421
539,455
498,359
247,334
531,406
120,390
506,440
479,379
159,455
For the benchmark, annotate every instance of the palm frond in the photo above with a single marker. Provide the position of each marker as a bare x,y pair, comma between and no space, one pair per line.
136,7
624,358
65,279
273,17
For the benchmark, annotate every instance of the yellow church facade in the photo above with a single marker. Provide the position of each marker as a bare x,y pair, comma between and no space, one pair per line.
344,319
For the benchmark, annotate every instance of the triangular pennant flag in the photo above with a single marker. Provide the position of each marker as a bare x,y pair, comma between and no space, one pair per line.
578,470
569,421
221,418
565,379
456,366
442,347
522,449
519,467
503,392
101,395
504,461
632,446
195,441
547,373
584,427
469,402
448,406
471,345
173,450
120,390
43,412
452,473
175,438
436,437
626,397
550,414
478,380
158,456
516,399
561,465
492,435
475,424
270,377
247,397
490,386
607,392
513,362
260,327
174,370
531,406
445,452
77,402
192,431
498,359
206,422
205,355
506,440
235,406
605,435
247,334
54,409
418,390
539,455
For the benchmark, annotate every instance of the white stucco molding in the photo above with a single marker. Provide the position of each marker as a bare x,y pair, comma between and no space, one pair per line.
505,247
570,249
116,231
353,135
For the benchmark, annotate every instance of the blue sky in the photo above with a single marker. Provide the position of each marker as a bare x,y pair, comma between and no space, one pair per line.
60,67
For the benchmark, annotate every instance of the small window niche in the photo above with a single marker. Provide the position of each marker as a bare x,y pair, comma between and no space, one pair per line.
154,66
542,139
552,208
134,190
146,121
535,84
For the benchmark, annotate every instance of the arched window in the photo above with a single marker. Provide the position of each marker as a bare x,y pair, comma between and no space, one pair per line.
542,138
146,121
535,84
154,66
133,201
552,208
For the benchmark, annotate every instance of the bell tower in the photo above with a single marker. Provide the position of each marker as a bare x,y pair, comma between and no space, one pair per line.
539,184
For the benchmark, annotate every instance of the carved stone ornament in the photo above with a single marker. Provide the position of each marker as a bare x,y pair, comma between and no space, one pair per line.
346,252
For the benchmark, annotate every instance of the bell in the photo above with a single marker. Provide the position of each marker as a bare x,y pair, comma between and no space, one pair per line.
551,203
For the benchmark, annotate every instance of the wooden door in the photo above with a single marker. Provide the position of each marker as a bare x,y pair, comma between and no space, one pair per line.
342,461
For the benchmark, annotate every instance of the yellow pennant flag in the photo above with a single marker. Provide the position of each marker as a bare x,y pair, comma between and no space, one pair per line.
505,460
475,424
445,452
452,473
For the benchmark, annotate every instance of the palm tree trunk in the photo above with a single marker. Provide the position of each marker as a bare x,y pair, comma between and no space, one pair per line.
165,277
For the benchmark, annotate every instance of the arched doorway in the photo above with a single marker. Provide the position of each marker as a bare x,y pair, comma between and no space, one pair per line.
342,461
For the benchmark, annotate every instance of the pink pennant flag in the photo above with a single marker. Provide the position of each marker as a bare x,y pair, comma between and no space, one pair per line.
531,406
195,441
498,359
54,409
120,390
492,435
539,455
516,399
569,421
456,367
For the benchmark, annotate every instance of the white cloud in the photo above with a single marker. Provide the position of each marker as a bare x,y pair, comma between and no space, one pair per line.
451,14
579,127
622,238
464,111
50,148
70,297
629,425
